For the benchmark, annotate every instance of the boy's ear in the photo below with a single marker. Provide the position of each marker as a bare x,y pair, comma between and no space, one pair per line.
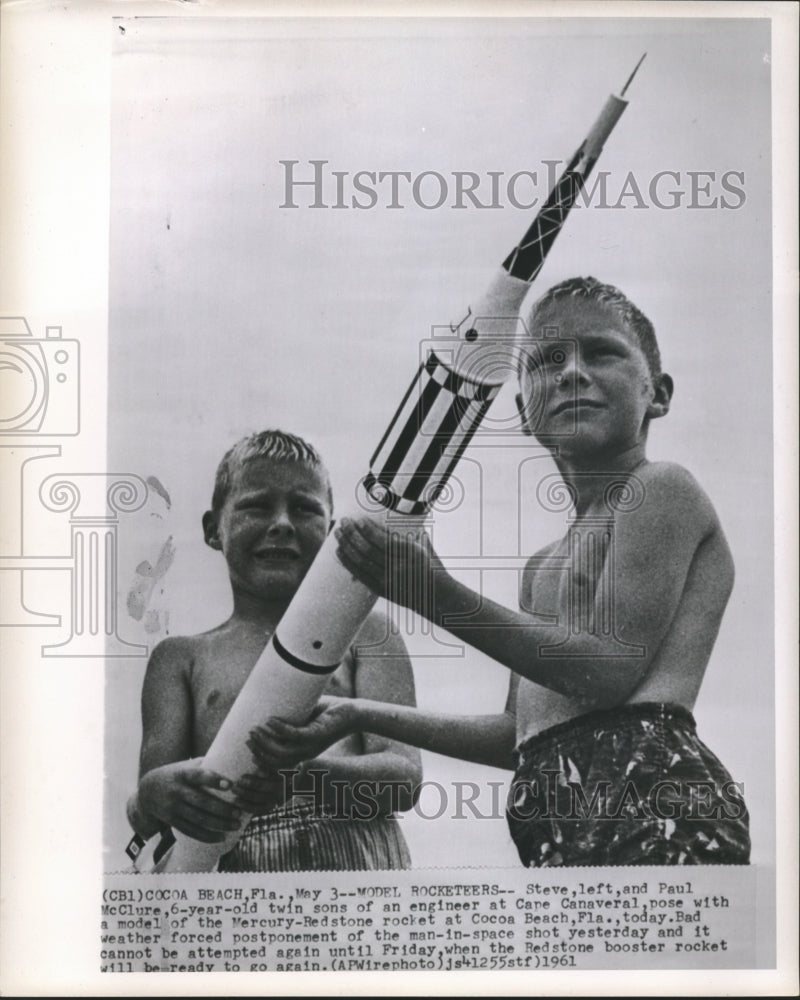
211,530
662,396
523,420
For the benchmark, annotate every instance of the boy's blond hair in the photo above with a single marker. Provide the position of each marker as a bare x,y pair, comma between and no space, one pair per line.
275,444
610,296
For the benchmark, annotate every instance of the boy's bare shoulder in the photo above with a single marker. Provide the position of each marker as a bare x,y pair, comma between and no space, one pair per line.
670,490
666,498
176,652
183,647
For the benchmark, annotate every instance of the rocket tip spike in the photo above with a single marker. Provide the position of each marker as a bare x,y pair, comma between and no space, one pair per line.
633,74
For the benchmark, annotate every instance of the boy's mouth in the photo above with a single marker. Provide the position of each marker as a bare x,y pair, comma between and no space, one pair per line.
575,404
277,554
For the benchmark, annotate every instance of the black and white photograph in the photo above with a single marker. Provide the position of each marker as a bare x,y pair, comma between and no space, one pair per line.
396,521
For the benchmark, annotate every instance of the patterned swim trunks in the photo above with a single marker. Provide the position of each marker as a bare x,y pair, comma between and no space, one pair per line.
299,836
631,785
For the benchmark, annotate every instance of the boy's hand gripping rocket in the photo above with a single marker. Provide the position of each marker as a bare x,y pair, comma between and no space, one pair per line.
440,413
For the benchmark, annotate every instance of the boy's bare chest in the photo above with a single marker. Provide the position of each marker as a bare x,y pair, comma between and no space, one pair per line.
559,590
218,679
219,673
565,577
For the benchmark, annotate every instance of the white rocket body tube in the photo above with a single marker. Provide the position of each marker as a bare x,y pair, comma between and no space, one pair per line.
603,126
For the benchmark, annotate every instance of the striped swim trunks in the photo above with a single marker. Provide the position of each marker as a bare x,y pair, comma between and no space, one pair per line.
632,785
300,836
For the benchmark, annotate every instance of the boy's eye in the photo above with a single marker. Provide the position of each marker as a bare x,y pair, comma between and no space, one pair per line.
539,362
309,507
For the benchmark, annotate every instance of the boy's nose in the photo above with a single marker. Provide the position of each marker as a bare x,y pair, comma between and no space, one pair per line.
281,523
571,371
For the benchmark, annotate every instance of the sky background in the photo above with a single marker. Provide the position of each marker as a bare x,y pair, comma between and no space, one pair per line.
229,313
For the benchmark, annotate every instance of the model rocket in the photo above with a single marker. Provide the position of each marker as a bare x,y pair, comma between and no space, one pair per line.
444,406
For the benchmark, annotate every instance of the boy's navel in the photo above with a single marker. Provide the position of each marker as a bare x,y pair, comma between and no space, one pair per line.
213,698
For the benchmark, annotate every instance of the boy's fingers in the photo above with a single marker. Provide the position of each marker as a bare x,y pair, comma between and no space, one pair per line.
327,701
251,801
266,730
254,791
212,822
267,746
257,782
198,832
203,778
260,756
288,739
262,738
371,542
257,740
375,535
201,804
354,539
359,566
361,525
214,808
249,783
284,730
269,759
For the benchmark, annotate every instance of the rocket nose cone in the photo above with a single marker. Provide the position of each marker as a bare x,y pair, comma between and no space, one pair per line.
633,74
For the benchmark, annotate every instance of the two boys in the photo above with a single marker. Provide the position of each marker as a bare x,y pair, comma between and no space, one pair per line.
609,768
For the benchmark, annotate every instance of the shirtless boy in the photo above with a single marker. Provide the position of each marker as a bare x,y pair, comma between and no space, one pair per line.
270,513
609,766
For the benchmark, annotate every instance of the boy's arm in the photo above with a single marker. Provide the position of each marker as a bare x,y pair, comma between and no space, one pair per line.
394,767
482,739
174,791
388,772
653,549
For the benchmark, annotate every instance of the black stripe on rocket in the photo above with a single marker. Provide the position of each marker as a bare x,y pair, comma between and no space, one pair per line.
399,410
461,447
392,501
446,434
527,258
467,406
409,433
295,661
